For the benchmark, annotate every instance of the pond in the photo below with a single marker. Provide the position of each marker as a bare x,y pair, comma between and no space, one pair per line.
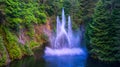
39,60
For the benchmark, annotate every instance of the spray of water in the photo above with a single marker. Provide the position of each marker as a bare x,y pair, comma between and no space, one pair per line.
65,41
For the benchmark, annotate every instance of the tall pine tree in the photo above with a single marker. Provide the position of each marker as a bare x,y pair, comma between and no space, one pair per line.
101,32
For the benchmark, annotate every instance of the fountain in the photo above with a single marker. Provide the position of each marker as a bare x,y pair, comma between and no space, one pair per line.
65,41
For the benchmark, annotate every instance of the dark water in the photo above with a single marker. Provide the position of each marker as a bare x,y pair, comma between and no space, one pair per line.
65,61
62,61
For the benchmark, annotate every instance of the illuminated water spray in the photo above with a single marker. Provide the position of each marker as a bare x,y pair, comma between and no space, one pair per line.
65,41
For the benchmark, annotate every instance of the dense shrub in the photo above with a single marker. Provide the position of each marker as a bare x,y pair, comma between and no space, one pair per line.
25,49
12,45
33,44
28,50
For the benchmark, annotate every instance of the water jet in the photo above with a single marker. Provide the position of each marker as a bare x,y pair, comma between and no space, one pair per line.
65,41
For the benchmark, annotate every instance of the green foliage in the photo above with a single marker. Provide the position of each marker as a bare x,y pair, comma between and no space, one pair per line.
22,12
3,55
12,46
33,44
30,31
116,31
19,14
41,18
53,7
87,9
28,50
73,8
101,32
22,48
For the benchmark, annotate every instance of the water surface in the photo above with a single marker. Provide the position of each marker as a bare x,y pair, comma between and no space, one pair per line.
61,61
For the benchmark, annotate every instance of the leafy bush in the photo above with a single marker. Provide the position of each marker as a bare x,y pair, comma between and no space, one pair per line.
30,31
25,49
42,18
33,44
12,46
28,50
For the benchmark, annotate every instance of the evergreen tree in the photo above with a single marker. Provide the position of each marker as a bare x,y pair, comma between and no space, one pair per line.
87,8
116,20
101,32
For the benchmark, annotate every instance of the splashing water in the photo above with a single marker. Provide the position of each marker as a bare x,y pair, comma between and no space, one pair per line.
66,41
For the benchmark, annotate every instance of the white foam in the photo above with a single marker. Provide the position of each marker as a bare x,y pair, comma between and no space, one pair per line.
63,51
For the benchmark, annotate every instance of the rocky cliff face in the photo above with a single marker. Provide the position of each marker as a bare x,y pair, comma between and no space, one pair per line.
38,33
16,45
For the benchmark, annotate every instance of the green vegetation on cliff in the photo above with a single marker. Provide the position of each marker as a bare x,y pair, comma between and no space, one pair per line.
17,15
21,13
12,46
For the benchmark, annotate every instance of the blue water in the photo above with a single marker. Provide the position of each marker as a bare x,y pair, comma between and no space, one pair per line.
65,61
61,61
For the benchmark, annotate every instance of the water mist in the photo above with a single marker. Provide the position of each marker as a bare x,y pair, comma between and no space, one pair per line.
65,41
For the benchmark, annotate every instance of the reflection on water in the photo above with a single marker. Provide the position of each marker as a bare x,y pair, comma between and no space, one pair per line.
62,61
51,61
65,61
28,62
